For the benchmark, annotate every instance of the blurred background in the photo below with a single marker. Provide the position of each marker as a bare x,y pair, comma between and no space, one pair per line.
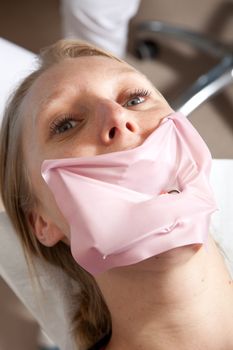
34,24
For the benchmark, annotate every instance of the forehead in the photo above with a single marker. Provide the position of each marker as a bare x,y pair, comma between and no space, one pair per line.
73,74
81,70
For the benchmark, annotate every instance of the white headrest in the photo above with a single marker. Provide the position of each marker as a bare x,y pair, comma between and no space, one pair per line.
15,64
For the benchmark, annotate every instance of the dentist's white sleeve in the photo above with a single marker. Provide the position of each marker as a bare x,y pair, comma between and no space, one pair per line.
101,22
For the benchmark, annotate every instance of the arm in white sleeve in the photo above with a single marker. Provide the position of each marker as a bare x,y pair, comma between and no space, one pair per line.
103,22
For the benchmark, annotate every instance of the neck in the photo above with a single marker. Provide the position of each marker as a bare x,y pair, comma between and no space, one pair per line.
182,299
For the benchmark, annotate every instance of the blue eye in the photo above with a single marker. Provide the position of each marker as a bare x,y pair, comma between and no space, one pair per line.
134,101
136,97
63,124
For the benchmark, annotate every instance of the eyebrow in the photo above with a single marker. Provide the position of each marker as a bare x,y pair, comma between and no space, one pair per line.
46,102
56,95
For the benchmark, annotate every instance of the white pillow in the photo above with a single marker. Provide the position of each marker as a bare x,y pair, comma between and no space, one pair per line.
15,64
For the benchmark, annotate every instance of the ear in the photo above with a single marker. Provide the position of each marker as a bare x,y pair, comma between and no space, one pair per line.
46,231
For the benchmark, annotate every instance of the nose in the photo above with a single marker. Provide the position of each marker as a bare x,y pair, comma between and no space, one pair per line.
114,121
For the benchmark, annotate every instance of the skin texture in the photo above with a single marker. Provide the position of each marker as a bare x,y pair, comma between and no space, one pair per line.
181,299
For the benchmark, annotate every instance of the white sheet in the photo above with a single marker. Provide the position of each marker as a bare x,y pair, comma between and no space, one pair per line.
50,305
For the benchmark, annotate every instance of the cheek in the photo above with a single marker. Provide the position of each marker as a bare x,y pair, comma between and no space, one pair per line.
47,201
52,210
162,110
152,118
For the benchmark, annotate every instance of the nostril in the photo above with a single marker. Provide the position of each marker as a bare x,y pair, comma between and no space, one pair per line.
112,133
129,127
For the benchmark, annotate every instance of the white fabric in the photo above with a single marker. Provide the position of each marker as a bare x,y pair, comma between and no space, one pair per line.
102,22
49,304
15,64
52,307
222,220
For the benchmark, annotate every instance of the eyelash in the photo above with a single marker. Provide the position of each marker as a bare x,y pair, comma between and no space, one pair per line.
58,123
67,118
139,93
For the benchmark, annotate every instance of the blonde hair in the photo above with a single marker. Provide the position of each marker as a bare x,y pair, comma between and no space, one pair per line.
92,320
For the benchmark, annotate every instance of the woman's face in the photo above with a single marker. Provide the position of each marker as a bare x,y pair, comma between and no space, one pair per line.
85,107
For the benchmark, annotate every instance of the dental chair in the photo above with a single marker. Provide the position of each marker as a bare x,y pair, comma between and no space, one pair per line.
208,84
50,302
